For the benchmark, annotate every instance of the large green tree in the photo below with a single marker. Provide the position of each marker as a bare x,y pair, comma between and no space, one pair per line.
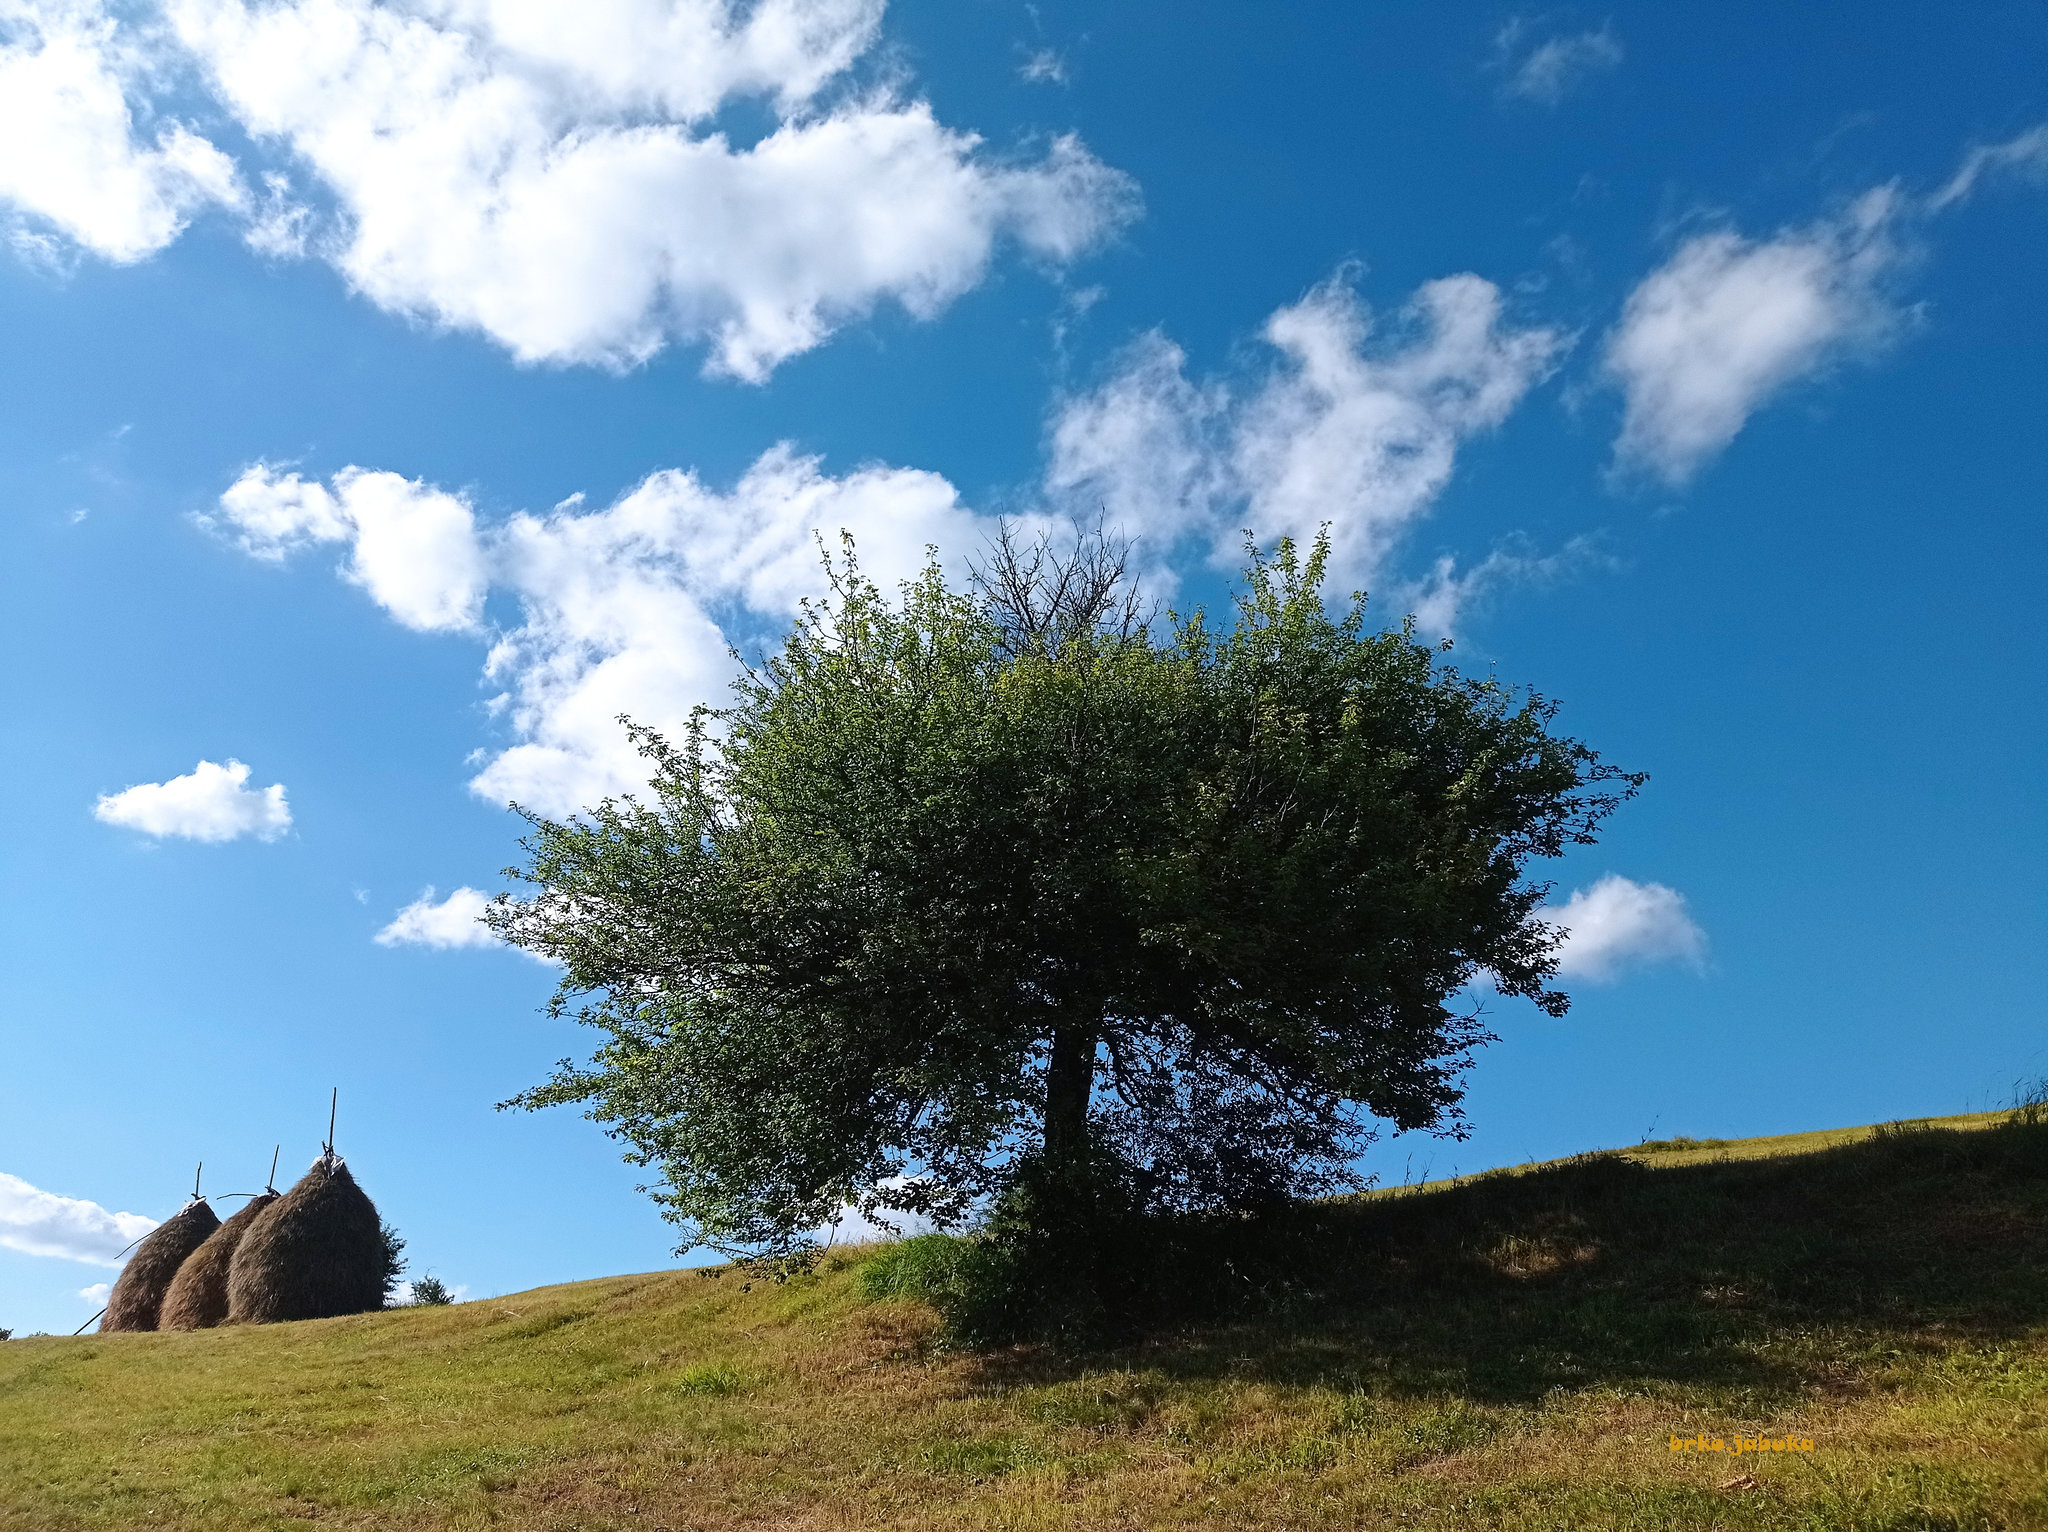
968,880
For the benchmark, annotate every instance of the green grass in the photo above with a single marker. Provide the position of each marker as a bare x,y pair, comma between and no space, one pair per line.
1513,1351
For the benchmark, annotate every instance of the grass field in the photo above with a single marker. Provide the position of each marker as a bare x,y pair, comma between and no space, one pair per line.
1516,1350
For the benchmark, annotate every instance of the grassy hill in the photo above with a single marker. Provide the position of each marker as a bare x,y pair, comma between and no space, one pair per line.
1515,1350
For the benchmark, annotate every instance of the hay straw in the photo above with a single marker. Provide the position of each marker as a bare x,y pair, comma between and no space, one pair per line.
316,1252
197,1298
138,1294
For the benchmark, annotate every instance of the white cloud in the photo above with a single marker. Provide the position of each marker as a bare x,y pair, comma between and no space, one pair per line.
622,606
1728,322
210,803
457,921
1043,66
414,549
1347,427
623,610
97,1292
1447,593
37,1222
70,151
557,176
281,226
1619,924
633,609
1549,71
2024,155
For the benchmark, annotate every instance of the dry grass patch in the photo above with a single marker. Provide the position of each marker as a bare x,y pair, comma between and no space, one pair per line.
1513,1353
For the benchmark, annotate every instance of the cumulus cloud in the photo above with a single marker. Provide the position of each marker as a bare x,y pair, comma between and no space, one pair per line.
414,549
635,608
1353,423
628,609
37,1222
623,606
1618,924
555,176
1729,322
1546,72
71,153
96,1292
456,921
212,802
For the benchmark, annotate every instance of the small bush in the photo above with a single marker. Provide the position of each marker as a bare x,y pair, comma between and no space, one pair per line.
393,1263
430,1292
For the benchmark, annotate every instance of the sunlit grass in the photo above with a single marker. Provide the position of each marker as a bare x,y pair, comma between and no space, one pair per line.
1512,1352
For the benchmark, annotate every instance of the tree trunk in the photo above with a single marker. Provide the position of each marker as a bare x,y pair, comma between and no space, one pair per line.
1069,1079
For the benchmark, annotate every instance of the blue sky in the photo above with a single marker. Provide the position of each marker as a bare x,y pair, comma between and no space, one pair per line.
1687,362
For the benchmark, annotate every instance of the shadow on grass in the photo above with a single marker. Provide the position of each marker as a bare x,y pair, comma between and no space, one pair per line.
1760,1278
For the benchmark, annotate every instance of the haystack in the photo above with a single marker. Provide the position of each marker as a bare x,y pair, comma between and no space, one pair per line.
138,1294
198,1295
316,1252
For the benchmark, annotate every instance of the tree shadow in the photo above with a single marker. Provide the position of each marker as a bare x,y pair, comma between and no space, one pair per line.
1764,1279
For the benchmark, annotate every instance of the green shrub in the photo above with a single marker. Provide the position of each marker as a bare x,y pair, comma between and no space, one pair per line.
430,1292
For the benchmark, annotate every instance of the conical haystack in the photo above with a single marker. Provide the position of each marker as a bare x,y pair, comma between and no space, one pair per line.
315,1252
198,1294
138,1293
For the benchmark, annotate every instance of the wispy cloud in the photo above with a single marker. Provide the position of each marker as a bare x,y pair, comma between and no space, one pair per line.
1545,70
1448,592
1043,66
2024,156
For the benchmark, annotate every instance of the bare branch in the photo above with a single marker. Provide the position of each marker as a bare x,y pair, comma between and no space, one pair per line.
1045,599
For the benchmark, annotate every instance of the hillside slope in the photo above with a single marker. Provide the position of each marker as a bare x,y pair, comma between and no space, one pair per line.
1515,1351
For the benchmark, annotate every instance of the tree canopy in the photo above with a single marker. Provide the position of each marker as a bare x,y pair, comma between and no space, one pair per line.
964,878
